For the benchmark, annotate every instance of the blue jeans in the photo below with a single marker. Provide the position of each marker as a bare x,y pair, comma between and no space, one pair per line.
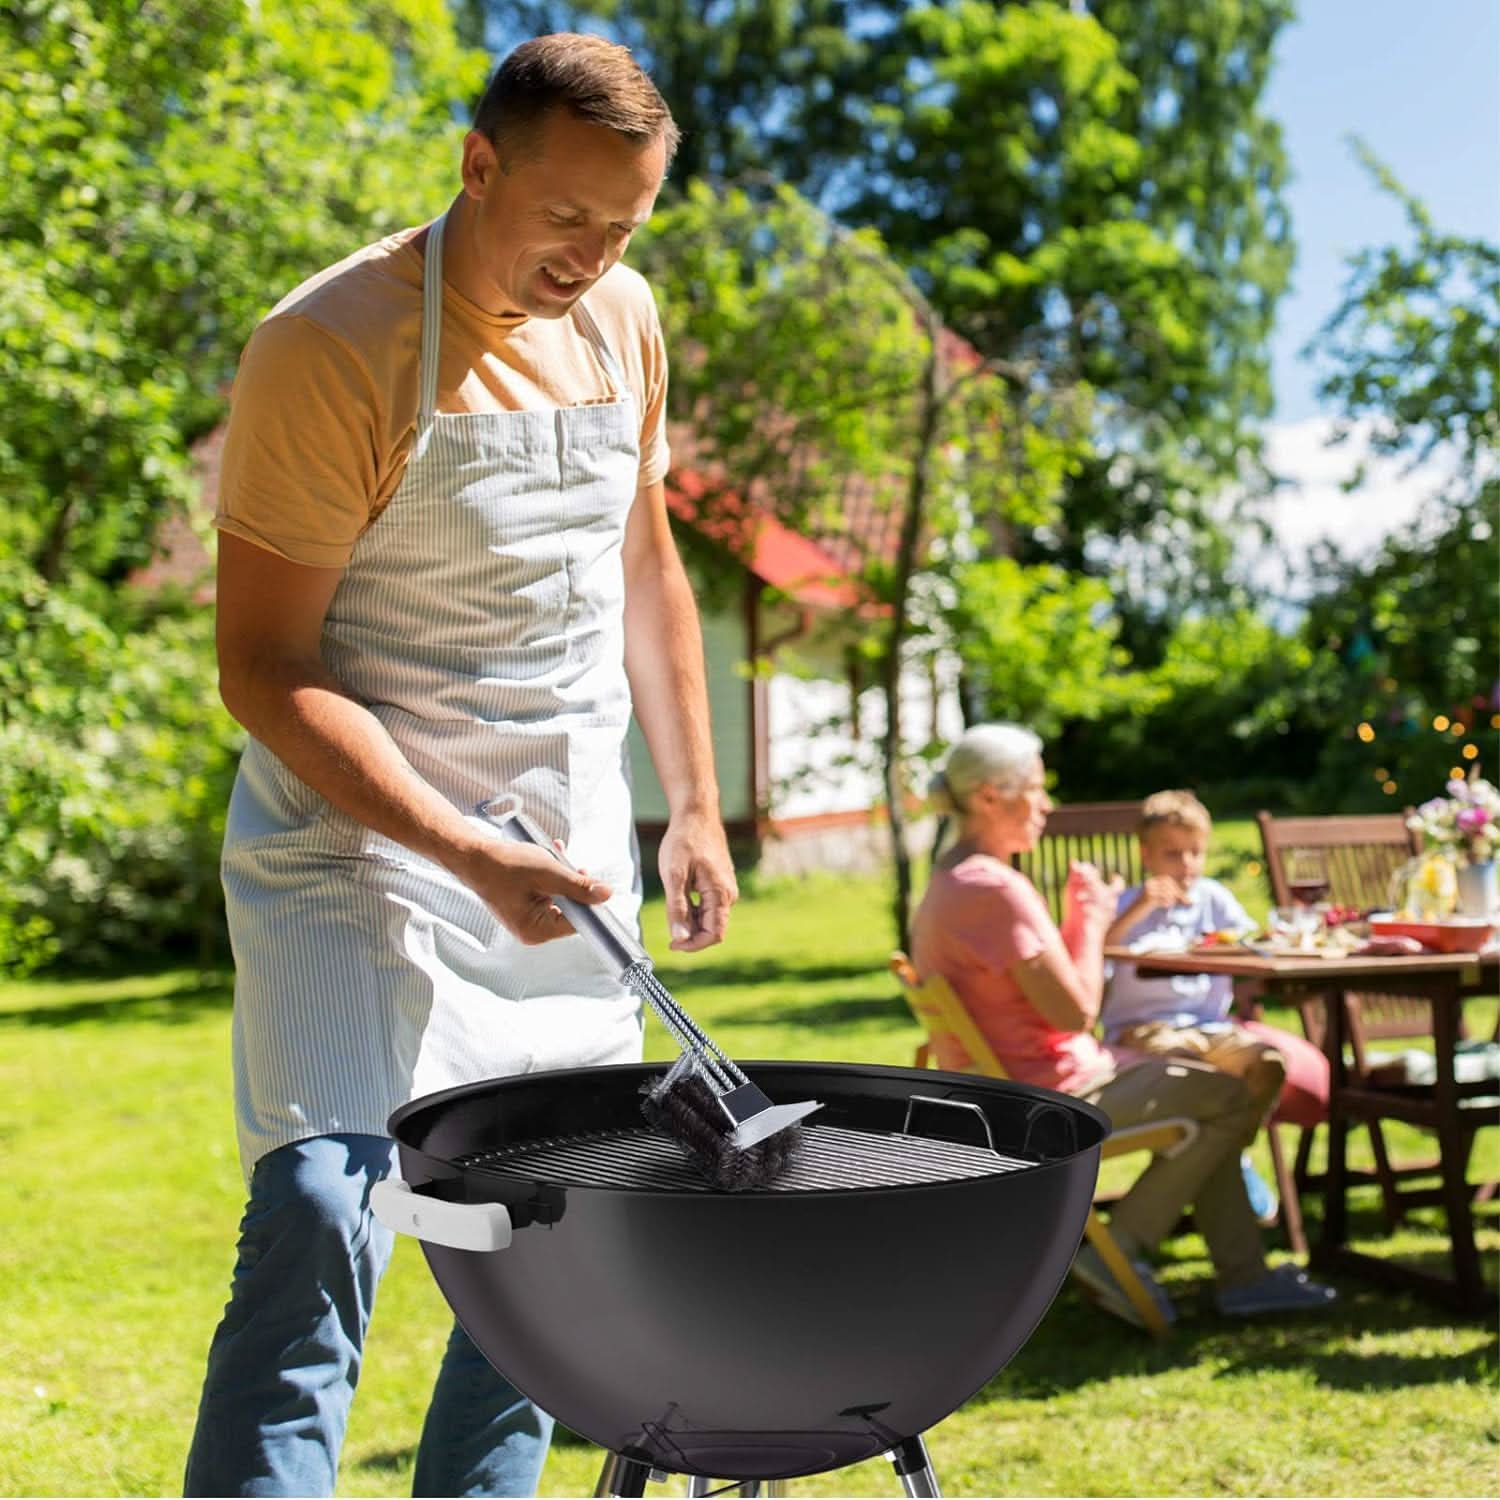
285,1359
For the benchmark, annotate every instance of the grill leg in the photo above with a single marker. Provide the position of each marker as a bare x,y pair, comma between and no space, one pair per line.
622,1478
914,1469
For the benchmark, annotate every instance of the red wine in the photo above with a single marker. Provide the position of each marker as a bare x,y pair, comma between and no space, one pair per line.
1307,892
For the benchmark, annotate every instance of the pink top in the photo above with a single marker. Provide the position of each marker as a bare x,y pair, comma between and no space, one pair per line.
976,921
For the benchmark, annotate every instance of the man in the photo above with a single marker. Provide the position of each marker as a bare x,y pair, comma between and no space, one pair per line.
445,572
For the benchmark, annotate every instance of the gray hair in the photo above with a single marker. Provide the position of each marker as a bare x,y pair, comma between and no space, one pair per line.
998,755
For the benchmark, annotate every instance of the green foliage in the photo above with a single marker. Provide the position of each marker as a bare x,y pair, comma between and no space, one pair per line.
115,763
1225,710
1098,193
815,388
1339,713
1042,643
1416,635
167,170
797,357
1411,354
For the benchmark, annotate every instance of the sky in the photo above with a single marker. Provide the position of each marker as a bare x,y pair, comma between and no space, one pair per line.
1420,83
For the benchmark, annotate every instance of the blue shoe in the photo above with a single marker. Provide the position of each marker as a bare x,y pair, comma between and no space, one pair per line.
1264,1203
1286,1289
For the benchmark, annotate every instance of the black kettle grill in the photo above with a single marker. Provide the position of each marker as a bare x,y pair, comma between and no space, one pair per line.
837,1314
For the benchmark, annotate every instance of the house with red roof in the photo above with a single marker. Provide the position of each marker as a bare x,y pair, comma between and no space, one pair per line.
797,719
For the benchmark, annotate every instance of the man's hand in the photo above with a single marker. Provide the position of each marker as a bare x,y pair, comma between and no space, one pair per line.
518,881
694,862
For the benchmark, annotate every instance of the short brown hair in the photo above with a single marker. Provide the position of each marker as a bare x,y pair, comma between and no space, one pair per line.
1173,810
599,81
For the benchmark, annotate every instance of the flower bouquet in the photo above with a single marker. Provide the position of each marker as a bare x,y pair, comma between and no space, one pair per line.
1456,869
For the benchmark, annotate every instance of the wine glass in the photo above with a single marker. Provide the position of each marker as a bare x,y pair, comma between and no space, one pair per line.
1307,877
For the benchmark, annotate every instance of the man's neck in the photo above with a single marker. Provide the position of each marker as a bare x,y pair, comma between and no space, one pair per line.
461,264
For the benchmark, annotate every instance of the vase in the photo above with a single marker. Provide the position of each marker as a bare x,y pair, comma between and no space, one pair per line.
1478,889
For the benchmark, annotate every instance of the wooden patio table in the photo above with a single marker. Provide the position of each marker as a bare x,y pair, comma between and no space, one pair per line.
1445,980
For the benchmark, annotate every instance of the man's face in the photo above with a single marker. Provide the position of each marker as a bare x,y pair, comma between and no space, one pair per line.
1175,852
551,226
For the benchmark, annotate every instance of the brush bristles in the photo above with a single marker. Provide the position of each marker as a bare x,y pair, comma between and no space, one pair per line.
688,1110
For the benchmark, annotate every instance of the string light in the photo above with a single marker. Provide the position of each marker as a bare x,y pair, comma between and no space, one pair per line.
1470,752
1389,788
1440,723
1455,773
1365,732
1457,728
1495,721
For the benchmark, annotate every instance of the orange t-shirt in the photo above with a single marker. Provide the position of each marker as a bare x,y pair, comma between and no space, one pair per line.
324,406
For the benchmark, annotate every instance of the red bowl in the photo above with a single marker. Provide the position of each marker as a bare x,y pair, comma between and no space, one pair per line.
1456,935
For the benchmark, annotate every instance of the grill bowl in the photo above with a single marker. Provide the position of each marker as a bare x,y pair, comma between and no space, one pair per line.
767,1334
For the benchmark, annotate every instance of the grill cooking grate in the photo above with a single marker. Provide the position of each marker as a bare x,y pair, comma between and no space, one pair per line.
830,1158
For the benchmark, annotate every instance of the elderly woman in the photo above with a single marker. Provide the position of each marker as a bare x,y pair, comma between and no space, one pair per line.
1034,992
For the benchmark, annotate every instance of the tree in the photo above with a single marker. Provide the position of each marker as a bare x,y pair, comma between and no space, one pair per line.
1099,193
810,369
1094,190
166,176
169,169
1410,357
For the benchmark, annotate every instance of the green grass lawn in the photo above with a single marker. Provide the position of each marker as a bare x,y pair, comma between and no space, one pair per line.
120,1195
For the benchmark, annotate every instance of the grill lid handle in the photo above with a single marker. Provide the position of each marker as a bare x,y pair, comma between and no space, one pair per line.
459,1226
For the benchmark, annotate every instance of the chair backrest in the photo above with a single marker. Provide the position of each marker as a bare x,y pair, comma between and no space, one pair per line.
1360,854
1101,833
942,1015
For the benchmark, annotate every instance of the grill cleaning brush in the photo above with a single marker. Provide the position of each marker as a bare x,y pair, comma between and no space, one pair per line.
727,1126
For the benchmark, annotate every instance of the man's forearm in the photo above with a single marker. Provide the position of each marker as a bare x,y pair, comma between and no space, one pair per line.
300,712
664,661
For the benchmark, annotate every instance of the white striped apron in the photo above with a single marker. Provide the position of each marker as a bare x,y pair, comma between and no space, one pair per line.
480,619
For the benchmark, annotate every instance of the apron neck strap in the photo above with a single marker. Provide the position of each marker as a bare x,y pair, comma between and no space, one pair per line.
432,319
590,330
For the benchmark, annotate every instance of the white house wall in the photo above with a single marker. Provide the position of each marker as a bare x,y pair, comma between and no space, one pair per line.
817,766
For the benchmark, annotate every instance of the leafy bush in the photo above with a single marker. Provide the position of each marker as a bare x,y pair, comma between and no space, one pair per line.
115,764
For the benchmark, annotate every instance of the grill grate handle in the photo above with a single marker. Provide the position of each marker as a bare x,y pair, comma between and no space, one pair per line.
984,1119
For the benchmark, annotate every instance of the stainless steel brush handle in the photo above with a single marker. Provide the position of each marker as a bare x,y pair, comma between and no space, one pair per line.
615,944
619,949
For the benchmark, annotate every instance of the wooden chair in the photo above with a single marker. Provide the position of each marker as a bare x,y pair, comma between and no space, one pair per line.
1104,834
1360,856
1100,833
941,1014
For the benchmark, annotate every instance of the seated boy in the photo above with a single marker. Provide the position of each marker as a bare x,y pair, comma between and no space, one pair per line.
1187,1015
